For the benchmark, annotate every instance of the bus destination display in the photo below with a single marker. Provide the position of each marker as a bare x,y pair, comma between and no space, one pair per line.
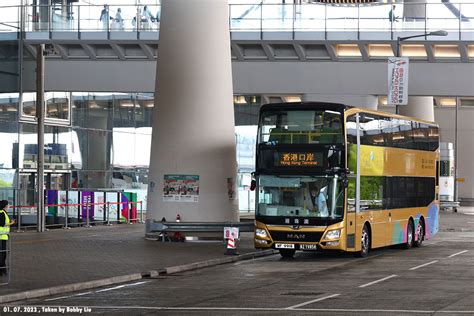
293,159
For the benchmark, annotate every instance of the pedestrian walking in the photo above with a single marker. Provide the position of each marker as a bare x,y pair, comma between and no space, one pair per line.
104,17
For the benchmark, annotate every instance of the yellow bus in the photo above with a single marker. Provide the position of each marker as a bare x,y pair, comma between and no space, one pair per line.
335,177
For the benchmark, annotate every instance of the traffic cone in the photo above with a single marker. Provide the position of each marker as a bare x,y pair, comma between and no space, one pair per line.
231,246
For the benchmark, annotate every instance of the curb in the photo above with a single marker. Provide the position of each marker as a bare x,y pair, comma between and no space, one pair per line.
62,289
215,262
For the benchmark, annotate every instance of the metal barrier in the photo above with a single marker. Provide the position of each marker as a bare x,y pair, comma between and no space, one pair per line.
81,221
153,227
5,256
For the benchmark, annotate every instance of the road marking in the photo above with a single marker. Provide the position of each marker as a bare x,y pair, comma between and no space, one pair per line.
458,253
377,281
423,265
313,301
121,286
90,292
380,311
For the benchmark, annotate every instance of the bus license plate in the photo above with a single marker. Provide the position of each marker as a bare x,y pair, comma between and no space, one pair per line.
284,246
308,247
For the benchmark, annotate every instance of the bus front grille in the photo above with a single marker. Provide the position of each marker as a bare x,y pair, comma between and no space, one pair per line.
296,236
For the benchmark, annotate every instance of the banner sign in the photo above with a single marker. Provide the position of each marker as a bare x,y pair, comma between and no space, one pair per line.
87,198
397,80
181,188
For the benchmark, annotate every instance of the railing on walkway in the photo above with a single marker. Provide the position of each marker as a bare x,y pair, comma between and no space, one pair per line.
319,21
83,214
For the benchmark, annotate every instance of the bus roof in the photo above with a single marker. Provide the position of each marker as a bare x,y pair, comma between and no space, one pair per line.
305,106
339,107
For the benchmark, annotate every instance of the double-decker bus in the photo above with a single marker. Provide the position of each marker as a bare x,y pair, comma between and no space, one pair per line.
335,177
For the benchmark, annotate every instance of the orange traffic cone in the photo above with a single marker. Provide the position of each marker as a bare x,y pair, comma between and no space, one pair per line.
231,246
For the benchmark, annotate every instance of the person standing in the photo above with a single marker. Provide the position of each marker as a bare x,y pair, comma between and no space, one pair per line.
118,19
391,15
4,234
104,17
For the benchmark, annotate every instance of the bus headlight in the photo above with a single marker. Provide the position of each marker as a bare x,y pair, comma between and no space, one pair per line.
262,233
333,234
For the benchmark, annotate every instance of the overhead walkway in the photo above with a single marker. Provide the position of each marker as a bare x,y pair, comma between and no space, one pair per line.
268,32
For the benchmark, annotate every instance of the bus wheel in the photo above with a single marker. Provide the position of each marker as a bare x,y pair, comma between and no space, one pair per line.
420,232
287,253
364,243
410,236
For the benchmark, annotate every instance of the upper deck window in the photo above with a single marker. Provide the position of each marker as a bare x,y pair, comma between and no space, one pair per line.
300,127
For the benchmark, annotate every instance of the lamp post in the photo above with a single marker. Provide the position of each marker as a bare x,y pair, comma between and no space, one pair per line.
403,38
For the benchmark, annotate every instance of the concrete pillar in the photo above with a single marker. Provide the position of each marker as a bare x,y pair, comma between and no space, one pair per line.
362,101
193,123
419,107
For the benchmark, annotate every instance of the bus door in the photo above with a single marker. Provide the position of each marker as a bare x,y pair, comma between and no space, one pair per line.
353,193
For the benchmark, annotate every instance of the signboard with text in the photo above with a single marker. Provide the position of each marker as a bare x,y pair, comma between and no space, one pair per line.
397,80
299,159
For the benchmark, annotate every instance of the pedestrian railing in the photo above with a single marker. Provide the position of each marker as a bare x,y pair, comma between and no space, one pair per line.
80,214
322,18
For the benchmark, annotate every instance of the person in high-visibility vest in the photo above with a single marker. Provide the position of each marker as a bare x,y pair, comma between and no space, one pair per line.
4,234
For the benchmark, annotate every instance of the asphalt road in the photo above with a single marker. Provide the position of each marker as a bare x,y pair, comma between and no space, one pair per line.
437,278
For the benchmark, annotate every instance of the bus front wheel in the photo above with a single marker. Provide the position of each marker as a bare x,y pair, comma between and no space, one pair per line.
364,243
287,253
410,235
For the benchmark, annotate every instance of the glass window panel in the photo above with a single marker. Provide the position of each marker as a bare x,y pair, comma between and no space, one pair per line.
99,150
58,148
144,110
9,106
28,148
28,107
79,148
124,147
124,110
142,148
92,110
9,141
94,180
7,178
57,105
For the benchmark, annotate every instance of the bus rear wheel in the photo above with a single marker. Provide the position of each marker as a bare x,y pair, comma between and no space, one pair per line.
287,253
410,235
420,232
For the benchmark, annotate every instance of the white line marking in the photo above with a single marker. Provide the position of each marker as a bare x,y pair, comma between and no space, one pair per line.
56,298
377,281
313,301
104,290
423,265
458,253
396,311
67,296
120,286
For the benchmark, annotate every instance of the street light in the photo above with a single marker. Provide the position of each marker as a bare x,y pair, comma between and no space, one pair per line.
400,39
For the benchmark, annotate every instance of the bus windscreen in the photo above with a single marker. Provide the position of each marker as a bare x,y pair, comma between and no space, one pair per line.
299,127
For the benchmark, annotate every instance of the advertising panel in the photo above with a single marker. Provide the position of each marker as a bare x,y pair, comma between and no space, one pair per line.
99,209
112,199
397,80
87,198
181,188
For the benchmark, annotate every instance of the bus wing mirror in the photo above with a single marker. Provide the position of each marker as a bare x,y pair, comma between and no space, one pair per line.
345,183
253,185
